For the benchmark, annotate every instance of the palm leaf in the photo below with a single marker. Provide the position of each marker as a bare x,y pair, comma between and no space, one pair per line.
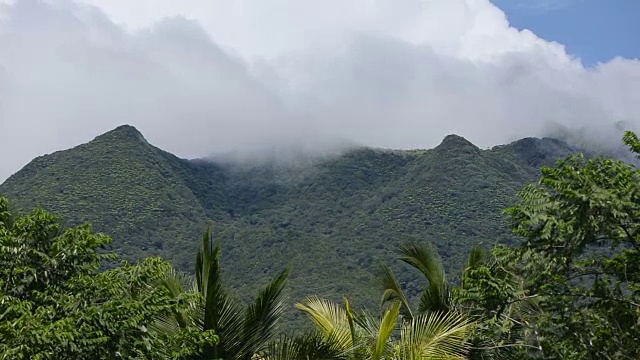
181,317
371,329
436,335
387,325
262,316
393,292
331,320
305,347
241,336
218,311
477,258
424,258
175,284
435,297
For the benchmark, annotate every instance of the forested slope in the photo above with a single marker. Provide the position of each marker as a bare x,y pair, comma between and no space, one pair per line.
333,221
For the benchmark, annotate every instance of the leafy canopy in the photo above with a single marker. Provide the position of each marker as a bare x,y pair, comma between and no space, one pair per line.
56,304
572,289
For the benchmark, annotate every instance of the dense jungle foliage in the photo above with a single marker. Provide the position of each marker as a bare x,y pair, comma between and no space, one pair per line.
570,289
332,220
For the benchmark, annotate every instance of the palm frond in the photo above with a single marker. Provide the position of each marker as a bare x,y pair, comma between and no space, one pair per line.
331,320
351,320
207,262
393,292
210,308
387,326
435,297
477,257
262,316
435,335
228,323
181,317
368,326
175,283
303,347
368,333
426,259
218,311
165,323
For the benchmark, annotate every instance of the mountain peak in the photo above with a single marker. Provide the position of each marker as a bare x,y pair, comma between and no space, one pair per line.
457,144
123,133
127,129
539,151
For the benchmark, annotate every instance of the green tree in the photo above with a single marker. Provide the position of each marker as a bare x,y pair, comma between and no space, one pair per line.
434,331
576,277
243,332
431,335
56,304
493,292
436,294
491,303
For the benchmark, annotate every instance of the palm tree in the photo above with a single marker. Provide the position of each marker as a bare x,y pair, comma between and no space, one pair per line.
310,346
434,335
434,331
435,296
242,332
438,296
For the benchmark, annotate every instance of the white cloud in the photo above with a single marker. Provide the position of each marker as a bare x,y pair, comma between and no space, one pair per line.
197,76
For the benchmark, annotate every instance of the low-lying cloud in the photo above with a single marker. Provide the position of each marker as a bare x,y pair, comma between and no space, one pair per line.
228,76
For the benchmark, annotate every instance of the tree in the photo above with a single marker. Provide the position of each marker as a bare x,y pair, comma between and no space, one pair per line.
579,264
434,331
431,335
56,304
493,293
243,333
435,296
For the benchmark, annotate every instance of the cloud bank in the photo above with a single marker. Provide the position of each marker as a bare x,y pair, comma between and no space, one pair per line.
203,76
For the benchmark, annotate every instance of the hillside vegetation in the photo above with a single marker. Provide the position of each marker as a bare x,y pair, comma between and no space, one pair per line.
333,222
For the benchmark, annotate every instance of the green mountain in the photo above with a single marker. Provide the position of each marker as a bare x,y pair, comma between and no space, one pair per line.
333,220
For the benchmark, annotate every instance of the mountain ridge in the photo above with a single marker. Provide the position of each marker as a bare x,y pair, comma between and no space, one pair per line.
332,221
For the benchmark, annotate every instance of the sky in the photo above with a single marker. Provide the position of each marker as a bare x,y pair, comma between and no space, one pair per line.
594,30
198,77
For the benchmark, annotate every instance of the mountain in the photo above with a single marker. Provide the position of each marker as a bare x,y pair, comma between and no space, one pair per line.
333,220
121,184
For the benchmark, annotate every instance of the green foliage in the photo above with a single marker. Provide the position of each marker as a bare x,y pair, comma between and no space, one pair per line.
242,333
571,290
333,220
55,304
304,347
487,295
435,295
124,187
493,293
430,335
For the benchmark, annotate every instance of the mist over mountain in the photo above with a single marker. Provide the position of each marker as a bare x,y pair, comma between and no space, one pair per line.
240,77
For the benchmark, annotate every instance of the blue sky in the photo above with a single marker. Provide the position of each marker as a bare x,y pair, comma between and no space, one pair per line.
594,30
